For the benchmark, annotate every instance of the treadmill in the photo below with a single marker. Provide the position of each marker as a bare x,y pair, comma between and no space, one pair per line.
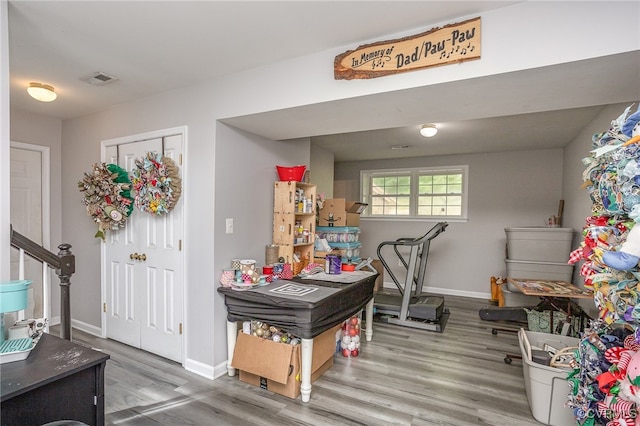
409,307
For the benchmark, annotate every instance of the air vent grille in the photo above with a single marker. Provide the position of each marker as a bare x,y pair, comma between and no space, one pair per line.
99,79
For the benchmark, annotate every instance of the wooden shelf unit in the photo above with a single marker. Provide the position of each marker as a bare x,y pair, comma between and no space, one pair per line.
288,208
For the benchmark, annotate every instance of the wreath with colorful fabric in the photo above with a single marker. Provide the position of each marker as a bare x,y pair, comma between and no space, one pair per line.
156,183
107,196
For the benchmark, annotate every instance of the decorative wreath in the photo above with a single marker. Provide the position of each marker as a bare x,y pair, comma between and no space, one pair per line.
156,183
107,196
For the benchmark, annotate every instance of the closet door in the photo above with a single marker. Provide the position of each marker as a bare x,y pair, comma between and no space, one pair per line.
143,266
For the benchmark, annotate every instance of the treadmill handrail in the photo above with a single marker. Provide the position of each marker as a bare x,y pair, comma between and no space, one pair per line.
411,242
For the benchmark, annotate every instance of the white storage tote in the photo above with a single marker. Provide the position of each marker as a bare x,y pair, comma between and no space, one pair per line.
539,270
547,388
539,244
514,297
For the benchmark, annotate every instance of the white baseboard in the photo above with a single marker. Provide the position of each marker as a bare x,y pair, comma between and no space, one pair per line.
87,328
221,370
200,369
446,291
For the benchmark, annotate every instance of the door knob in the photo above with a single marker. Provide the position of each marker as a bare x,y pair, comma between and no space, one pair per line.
134,256
142,257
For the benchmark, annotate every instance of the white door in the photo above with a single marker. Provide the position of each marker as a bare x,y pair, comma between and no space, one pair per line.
26,218
143,266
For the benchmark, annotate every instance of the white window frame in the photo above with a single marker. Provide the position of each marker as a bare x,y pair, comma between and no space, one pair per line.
366,177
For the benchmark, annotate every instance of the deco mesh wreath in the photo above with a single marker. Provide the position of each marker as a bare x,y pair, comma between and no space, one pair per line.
107,196
156,183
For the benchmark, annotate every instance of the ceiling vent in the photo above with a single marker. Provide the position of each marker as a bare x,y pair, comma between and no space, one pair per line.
99,79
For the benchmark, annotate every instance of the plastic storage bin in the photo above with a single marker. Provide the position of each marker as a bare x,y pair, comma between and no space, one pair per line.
539,244
350,252
546,387
514,297
13,295
339,234
539,270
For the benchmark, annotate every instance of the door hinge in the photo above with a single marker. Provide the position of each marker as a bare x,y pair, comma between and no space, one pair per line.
181,159
180,328
179,245
104,307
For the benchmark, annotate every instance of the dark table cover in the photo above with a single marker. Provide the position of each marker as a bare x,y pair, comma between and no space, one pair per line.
302,318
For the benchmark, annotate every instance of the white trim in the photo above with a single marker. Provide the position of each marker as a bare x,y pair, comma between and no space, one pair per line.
365,186
45,213
45,178
445,291
204,370
172,131
180,130
87,328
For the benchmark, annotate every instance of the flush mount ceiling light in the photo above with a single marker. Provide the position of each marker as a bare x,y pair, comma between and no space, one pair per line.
428,130
42,92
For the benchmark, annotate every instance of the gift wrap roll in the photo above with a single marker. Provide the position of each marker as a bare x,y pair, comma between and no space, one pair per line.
228,276
247,266
271,254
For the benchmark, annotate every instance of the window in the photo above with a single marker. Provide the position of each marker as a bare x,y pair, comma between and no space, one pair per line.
424,193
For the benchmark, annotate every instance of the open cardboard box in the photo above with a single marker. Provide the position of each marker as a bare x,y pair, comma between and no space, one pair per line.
276,366
344,213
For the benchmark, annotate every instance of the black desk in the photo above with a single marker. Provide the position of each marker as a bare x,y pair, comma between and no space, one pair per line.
305,319
59,380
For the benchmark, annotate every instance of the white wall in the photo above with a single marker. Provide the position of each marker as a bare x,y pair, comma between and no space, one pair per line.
321,166
506,189
512,40
244,189
81,148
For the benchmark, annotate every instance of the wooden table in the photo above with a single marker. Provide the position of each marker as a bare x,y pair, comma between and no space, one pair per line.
59,380
549,288
305,319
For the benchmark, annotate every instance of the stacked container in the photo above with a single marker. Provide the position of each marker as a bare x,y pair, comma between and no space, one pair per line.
536,253
344,240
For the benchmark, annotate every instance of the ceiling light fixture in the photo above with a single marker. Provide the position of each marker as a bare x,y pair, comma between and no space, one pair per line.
428,130
42,92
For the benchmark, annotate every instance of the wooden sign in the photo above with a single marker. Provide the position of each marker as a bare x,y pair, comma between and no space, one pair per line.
452,43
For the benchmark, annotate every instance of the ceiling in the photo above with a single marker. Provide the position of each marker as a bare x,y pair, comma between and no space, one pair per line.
173,44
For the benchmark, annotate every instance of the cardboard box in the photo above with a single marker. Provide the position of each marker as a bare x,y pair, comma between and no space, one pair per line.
344,213
291,390
276,366
380,279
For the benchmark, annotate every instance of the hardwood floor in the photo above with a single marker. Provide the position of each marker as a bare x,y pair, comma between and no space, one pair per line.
402,377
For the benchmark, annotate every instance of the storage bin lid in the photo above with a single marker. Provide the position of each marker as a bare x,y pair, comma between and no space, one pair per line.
354,244
538,229
338,229
16,285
